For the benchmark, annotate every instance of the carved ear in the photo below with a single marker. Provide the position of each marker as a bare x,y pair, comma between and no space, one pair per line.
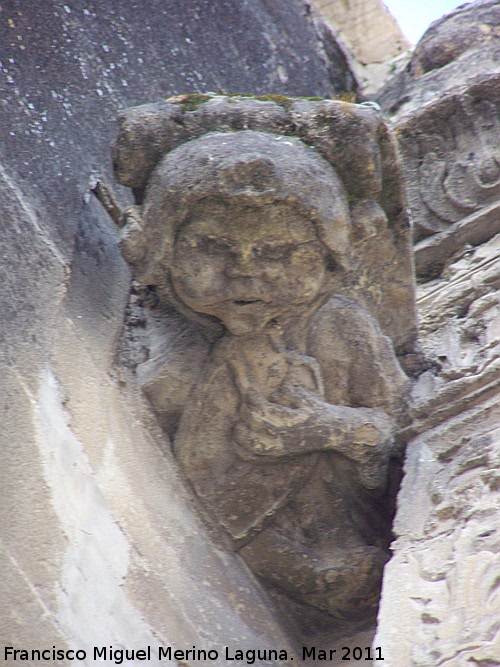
133,244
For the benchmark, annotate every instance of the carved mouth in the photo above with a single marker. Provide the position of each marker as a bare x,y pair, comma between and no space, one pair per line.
246,302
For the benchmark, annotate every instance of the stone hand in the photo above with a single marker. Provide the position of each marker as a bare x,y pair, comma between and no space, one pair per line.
298,421
262,424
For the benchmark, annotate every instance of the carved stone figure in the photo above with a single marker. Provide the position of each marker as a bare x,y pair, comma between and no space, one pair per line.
284,406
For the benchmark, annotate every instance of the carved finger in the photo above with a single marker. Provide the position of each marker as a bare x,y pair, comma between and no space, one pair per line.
243,381
249,442
293,396
272,417
298,360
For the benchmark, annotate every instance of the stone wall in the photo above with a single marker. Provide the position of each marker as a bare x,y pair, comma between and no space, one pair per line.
371,36
99,537
440,602
99,542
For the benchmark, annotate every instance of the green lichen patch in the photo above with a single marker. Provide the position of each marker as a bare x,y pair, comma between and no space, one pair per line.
280,100
192,101
189,102
286,102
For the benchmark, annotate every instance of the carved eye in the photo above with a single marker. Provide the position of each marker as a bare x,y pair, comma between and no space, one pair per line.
270,252
210,246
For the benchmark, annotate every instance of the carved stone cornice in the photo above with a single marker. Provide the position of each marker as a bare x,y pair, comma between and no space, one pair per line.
445,113
451,155
459,329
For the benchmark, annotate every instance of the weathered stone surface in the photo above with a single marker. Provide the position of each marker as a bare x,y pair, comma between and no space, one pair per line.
286,431
453,52
451,150
69,419
371,36
444,109
163,581
83,560
440,599
30,531
367,26
353,138
68,67
82,483
433,253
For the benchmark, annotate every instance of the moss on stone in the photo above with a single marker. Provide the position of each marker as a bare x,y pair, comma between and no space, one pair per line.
189,102
286,102
192,101
280,100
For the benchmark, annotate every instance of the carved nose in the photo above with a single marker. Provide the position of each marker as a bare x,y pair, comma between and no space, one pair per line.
240,269
241,264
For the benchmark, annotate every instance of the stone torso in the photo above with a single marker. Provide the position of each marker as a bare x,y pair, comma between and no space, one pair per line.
247,493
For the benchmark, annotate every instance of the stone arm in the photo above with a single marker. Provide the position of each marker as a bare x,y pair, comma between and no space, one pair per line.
167,378
354,413
303,422
358,364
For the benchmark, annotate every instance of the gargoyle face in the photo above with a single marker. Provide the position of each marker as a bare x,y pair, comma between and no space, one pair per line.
246,265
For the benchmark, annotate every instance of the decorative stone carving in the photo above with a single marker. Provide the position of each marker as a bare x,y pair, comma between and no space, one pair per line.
440,603
278,229
445,115
447,547
456,157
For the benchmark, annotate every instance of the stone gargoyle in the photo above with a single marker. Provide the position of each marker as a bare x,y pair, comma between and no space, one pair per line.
279,227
